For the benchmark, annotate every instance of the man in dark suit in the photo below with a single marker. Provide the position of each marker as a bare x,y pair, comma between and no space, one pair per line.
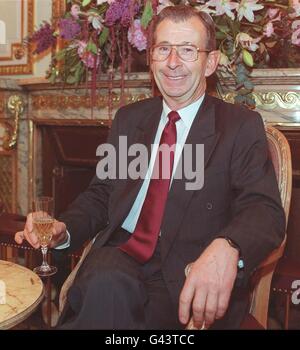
149,230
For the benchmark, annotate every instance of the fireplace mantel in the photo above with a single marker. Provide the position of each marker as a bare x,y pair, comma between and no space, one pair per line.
45,104
55,105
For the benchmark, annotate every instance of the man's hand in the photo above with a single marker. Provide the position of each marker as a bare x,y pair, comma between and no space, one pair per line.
59,234
208,286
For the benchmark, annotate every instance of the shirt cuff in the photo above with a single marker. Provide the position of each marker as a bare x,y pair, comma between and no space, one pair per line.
66,244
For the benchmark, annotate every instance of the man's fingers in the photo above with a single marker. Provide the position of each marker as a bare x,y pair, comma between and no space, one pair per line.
199,303
185,300
29,232
19,237
211,308
59,234
222,304
31,238
29,223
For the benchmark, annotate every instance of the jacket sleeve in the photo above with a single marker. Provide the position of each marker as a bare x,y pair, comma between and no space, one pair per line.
88,213
258,219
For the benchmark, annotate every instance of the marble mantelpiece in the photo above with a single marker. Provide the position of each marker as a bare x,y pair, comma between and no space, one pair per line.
276,93
63,105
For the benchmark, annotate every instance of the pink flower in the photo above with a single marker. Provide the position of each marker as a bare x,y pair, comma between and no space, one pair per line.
224,6
246,9
268,29
247,42
296,33
272,12
296,6
75,11
87,57
136,36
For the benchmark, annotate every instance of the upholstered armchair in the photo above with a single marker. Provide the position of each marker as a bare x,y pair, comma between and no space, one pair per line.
9,225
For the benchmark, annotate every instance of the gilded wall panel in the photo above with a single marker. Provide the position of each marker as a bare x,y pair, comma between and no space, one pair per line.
15,58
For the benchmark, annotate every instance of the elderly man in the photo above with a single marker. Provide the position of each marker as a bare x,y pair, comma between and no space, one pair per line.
150,229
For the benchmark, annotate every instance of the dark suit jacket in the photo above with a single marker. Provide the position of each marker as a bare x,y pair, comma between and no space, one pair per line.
240,197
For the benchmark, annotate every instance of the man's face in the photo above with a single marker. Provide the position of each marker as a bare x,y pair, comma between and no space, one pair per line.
180,82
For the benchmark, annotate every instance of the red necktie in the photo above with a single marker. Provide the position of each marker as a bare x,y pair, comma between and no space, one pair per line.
143,240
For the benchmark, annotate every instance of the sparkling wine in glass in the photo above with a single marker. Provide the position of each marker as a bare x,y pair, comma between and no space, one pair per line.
43,224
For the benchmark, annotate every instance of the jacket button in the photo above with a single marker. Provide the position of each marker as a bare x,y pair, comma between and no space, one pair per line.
209,206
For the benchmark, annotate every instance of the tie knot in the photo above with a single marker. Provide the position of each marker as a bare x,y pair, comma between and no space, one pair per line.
173,116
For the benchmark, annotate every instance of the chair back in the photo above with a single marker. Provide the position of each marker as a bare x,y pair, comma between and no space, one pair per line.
281,158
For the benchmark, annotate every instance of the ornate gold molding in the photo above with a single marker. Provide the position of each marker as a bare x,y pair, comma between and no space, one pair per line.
17,49
271,100
58,9
41,102
15,105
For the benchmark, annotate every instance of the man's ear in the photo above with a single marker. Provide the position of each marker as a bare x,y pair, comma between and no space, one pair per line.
212,62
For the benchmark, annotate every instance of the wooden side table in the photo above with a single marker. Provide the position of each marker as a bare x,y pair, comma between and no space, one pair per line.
24,292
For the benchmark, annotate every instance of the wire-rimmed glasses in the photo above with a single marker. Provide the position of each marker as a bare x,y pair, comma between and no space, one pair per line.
186,52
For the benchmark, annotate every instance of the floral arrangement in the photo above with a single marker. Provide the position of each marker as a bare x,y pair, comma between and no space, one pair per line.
99,36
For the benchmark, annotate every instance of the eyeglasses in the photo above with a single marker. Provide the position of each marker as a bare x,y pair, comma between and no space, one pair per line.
185,52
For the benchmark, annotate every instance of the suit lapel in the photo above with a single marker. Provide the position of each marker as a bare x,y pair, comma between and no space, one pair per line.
202,132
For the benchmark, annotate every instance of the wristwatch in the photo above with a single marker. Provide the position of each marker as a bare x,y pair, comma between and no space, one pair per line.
240,264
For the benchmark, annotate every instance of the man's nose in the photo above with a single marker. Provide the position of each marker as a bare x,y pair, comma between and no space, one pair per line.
173,59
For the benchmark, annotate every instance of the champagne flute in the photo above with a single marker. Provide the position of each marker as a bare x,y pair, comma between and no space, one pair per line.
43,225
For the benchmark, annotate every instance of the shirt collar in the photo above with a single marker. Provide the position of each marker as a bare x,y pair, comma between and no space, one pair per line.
187,114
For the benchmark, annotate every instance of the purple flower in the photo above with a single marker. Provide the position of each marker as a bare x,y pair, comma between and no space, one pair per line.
43,38
136,36
120,10
69,28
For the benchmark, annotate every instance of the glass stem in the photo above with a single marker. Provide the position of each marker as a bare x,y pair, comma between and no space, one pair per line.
44,252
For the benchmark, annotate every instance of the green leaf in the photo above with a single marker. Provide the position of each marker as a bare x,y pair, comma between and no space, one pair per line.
60,55
250,101
247,58
147,14
78,73
75,67
52,77
223,28
85,2
248,85
240,78
103,36
220,35
71,79
91,47
238,99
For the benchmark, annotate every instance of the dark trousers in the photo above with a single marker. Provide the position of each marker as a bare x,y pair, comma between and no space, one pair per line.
113,291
